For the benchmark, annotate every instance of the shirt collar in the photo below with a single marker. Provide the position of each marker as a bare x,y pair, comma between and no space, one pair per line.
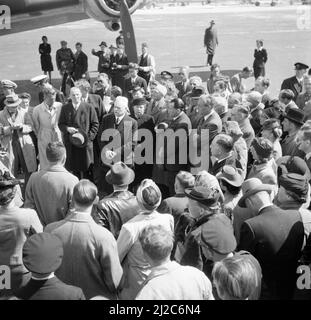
120,118
178,115
45,278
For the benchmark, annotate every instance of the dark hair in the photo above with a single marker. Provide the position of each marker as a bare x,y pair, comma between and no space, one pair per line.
84,193
178,104
150,196
55,151
44,37
232,189
116,91
287,94
79,44
225,141
25,95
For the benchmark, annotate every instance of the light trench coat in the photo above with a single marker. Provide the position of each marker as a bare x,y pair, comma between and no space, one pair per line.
45,124
25,140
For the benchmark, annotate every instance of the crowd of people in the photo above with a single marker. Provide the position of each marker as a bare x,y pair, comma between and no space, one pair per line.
81,219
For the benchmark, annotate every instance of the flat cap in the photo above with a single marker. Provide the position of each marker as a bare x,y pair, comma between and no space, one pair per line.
43,253
301,66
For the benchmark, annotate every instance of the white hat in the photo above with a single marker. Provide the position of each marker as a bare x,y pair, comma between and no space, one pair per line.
38,79
8,84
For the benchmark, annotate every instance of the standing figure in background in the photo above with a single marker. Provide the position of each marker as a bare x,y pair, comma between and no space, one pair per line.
45,56
210,42
261,57
103,58
45,122
81,63
65,63
146,64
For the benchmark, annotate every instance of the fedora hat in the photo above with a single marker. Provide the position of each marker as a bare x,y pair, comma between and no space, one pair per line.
12,100
231,175
253,186
120,174
206,196
295,115
78,139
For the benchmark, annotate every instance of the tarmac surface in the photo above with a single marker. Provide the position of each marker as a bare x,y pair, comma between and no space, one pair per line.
175,37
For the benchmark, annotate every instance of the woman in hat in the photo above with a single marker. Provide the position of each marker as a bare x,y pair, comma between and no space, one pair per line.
16,225
264,167
135,266
16,126
46,60
271,130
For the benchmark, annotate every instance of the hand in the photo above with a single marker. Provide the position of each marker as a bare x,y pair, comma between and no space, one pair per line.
72,130
93,51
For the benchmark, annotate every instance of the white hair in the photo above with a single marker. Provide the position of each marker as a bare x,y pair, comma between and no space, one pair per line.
121,102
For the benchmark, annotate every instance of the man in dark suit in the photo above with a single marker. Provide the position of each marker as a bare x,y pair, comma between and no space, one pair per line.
146,122
133,81
42,256
177,135
117,137
183,86
295,83
261,57
210,42
79,124
81,63
103,58
119,68
275,238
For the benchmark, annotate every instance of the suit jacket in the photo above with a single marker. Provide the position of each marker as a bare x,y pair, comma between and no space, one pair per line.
96,101
275,239
292,84
139,82
183,88
210,39
127,134
181,125
213,123
85,118
50,289
290,148
81,65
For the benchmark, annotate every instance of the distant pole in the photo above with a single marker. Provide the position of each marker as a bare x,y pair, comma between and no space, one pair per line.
128,32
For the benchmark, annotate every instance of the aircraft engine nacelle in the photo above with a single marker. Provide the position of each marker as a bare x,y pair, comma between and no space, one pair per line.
108,11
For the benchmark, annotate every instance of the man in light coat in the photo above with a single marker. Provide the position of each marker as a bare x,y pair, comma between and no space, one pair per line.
49,191
90,251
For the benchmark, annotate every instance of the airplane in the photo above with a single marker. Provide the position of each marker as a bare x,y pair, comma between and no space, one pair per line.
32,14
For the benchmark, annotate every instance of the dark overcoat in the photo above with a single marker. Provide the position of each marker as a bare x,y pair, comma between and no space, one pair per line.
85,118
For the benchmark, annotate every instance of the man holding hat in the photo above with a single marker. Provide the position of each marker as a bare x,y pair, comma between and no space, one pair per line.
274,236
295,83
65,62
16,126
103,58
293,121
119,68
120,206
210,42
8,88
79,124
146,64
134,81
42,256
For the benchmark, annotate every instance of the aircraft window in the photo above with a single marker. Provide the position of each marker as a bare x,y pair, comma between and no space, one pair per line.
115,4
